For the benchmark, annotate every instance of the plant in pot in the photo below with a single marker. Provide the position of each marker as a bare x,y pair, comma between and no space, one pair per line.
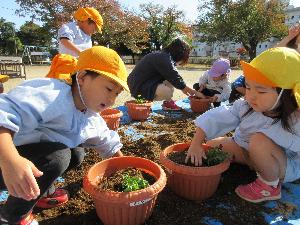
188,181
112,117
199,105
132,201
139,109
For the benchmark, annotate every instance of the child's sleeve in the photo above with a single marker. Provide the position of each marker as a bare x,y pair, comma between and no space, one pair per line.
66,32
106,142
282,137
219,121
226,90
203,79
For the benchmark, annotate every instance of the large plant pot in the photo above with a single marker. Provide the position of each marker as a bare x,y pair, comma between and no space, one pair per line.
138,111
193,183
124,208
199,105
112,117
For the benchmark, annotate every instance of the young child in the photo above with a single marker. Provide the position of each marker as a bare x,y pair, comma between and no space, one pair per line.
75,36
292,40
44,125
3,78
214,82
238,89
156,75
266,123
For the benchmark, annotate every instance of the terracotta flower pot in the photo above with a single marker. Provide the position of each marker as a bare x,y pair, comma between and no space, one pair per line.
138,111
112,117
199,105
124,208
193,183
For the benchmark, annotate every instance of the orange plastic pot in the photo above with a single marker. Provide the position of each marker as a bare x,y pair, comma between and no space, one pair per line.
138,111
112,117
199,105
124,208
193,183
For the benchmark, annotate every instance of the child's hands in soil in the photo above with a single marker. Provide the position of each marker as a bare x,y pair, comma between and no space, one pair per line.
195,153
214,98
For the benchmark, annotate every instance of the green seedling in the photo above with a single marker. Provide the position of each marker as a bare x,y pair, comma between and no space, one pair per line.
140,100
215,156
131,183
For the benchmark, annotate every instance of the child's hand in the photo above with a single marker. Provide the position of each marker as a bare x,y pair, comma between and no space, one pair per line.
214,98
19,177
196,153
294,31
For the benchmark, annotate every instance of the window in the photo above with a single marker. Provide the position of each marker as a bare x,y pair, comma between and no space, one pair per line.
259,46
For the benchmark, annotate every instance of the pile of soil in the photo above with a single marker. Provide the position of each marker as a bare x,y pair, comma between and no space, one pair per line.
224,206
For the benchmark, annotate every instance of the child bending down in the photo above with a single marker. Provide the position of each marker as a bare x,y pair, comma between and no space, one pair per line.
214,82
44,126
266,123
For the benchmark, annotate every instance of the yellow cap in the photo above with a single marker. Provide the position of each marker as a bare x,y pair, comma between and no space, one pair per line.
104,61
276,67
3,78
83,14
62,66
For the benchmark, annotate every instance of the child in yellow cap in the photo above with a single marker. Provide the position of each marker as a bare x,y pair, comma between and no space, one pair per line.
266,124
3,78
75,36
44,125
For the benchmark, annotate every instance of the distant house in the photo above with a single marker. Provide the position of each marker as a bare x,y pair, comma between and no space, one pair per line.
228,49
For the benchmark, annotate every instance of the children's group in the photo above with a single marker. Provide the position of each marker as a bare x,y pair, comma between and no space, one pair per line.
46,123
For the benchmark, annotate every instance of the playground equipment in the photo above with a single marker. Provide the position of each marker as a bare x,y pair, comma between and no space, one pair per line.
12,67
36,55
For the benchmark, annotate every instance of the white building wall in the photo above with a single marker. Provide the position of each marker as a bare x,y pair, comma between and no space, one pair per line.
228,49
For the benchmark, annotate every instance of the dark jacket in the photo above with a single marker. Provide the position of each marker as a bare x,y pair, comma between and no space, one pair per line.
151,71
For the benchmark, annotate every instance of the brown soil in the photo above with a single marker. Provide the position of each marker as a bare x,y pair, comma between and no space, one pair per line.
115,181
224,206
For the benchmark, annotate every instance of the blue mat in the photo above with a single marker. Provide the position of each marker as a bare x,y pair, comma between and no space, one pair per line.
290,191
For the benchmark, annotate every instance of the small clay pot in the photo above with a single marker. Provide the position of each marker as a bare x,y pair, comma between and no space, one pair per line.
199,105
112,117
124,208
193,183
138,111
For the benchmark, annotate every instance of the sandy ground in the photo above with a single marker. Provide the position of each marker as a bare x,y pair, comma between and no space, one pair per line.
190,74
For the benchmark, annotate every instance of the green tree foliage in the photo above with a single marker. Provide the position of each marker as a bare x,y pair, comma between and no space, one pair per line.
164,24
120,27
243,21
10,44
33,34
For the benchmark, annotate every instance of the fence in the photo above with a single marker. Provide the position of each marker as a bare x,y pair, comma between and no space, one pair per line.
12,66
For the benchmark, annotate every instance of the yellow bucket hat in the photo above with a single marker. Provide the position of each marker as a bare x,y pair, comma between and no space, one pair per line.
104,61
3,78
62,66
276,67
83,14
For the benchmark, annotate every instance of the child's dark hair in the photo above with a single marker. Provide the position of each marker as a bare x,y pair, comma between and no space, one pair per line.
179,50
88,72
287,106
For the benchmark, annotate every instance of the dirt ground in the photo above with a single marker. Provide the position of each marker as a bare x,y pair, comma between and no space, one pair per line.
190,74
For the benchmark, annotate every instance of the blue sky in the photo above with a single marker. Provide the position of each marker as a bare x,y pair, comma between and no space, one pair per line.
8,7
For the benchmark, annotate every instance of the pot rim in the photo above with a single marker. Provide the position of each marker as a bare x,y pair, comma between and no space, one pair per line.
111,113
90,186
189,170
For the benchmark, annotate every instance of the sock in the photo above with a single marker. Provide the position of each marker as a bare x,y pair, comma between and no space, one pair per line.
273,183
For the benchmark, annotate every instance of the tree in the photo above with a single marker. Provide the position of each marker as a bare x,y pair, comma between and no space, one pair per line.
120,27
33,34
164,25
243,21
9,42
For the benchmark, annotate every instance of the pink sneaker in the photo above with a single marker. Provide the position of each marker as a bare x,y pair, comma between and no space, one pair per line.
170,105
27,220
257,191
